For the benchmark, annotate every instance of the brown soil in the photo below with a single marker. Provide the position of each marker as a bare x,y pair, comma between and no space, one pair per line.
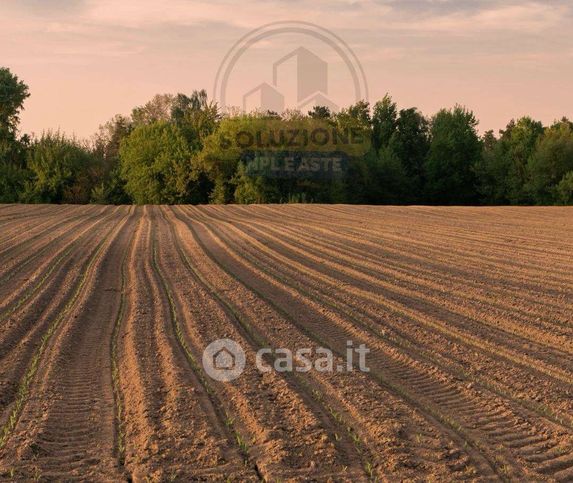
105,313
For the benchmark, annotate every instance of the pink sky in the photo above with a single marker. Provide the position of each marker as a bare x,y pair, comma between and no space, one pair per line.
87,60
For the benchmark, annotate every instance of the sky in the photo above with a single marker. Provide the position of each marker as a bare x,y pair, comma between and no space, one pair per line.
87,60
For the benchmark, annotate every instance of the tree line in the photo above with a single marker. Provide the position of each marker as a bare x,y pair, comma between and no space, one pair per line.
170,151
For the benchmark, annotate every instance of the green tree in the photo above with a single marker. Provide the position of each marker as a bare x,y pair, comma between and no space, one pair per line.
157,109
518,143
564,190
410,144
320,112
391,184
220,157
110,188
550,162
195,116
356,185
62,170
455,149
491,172
13,171
384,122
13,93
254,189
108,139
400,143
156,165
359,112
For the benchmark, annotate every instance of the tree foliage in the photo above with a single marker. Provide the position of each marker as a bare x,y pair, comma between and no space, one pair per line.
62,170
181,149
384,122
13,173
455,148
564,190
156,164
549,163
13,93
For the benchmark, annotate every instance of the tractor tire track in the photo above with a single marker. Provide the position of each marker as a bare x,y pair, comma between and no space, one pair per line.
24,443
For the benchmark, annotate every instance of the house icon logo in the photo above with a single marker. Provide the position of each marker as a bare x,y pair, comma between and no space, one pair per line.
309,79
224,360
289,65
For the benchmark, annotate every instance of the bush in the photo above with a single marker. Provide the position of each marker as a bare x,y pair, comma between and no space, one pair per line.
62,170
564,190
156,165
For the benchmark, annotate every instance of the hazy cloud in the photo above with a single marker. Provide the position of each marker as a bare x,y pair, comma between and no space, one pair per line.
425,51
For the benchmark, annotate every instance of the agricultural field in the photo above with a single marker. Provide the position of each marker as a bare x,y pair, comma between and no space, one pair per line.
105,313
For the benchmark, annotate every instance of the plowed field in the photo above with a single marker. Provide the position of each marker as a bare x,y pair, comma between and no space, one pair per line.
105,313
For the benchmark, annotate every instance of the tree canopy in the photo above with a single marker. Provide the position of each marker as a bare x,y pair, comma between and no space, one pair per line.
155,164
13,93
180,148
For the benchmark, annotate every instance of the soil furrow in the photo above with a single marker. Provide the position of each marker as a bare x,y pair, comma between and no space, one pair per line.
393,329
22,335
434,389
430,243
464,223
386,294
530,306
22,252
25,448
37,276
287,389
436,246
431,415
165,412
552,349
23,269
25,232
464,314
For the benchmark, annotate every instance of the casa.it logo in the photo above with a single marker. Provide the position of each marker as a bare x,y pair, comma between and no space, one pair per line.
224,360
289,65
